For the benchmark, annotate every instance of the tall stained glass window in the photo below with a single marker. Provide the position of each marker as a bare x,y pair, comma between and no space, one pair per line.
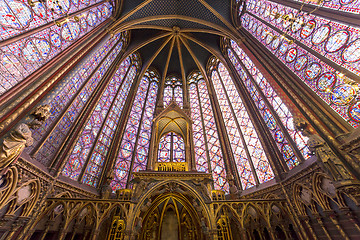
69,97
251,161
134,147
351,6
335,41
173,91
271,107
208,154
92,146
339,42
51,27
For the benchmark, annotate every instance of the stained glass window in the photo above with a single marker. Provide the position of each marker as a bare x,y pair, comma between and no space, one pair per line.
70,96
137,132
164,154
22,57
206,141
21,16
352,6
269,103
168,95
339,92
178,148
171,148
250,158
336,41
105,113
173,91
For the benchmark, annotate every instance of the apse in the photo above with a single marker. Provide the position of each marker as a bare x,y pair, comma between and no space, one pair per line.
181,119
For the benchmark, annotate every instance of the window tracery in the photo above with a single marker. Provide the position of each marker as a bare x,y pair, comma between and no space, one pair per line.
351,6
72,95
20,58
105,114
336,41
171,148
269,103
208,154
22,16
134,147
173,91
250,158
339,92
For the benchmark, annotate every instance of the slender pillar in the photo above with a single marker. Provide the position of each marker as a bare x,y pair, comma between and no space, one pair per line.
333,219
276,160
352,218
86,232
76,226
48,225
286,231
321,223
306,221
95,234
243,234
272,233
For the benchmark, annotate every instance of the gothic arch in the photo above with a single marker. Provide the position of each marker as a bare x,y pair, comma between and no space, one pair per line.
303,198
188,191
171,201
171,119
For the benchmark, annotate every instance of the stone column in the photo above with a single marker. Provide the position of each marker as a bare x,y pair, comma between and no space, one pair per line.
95,234
306,220
48,225
333,219
321,223
272,233
351,217
243,234
76,226
86,232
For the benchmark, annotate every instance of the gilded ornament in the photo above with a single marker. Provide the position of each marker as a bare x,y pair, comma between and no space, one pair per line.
40,115
13,145
234,190
329,161
106,189
332,164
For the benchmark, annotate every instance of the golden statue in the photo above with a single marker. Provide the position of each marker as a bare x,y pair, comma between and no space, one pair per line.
19,138
106,189
332,164
40,115
234,190
329,161
13,145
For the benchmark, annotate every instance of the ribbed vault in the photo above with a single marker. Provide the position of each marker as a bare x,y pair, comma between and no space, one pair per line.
175,39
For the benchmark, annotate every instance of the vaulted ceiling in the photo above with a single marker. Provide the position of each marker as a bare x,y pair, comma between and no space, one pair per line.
175,36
